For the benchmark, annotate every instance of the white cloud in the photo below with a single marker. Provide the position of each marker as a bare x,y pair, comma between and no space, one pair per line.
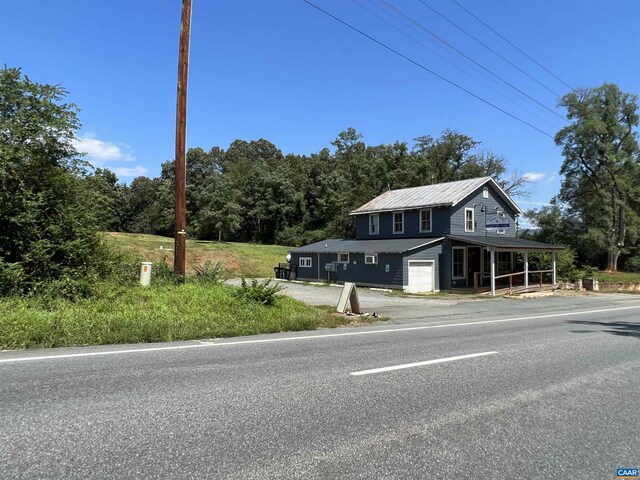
130,172
551,178
538,204
101,151
534,176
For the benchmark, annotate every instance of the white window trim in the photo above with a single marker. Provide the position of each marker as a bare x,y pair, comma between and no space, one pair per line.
393,225
473,220
375,258
377,217
430,229
464,262
343,253
500,231
305,262
485,192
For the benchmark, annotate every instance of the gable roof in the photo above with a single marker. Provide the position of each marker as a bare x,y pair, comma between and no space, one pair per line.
438,195
395,245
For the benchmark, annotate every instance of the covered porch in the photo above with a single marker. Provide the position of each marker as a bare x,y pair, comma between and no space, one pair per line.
502,265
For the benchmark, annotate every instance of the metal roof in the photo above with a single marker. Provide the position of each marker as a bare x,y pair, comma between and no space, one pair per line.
507,243
438,195
395,245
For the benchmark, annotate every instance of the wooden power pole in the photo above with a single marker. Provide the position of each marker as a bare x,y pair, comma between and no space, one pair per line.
179,254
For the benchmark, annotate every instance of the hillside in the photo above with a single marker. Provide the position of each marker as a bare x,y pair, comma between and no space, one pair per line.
241,259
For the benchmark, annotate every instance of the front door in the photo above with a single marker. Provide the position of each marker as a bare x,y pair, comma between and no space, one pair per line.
473,265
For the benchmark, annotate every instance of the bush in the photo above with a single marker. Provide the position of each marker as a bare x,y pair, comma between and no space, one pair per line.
260,292
565,263
589,271
162,274
209,273
10,278
632,264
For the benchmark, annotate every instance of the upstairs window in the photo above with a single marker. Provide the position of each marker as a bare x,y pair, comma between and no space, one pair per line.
425,220
469,221
374,224
398,222
485,192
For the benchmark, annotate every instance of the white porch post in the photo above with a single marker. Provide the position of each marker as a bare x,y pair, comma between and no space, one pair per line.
526,269
553,261
493,272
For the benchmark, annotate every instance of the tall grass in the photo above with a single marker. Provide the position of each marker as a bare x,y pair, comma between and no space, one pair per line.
120,314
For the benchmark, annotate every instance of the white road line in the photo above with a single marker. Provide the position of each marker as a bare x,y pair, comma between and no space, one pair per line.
312,337
420,364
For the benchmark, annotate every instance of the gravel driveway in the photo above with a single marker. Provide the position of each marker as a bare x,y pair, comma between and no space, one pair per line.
406,309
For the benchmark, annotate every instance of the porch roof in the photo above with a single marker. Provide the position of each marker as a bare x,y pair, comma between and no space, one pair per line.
506,243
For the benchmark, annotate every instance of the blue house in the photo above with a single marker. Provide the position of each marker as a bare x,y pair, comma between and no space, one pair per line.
425,239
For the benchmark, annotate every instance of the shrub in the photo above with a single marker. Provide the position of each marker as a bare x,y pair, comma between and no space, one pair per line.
632,264
260,292
162,274
209,273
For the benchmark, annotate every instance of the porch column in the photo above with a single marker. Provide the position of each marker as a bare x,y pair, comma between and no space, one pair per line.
553,262
493,272
526,269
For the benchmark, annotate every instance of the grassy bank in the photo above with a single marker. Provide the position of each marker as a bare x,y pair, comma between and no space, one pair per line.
240,259
156,314
618,277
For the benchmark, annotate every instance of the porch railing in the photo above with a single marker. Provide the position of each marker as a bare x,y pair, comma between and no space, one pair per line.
510,276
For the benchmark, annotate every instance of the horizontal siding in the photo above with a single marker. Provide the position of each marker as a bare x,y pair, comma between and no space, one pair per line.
355,271
494,200
439,225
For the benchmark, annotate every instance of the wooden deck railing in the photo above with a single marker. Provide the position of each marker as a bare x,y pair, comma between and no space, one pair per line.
510,276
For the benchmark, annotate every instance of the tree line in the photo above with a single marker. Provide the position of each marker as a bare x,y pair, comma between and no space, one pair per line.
253,192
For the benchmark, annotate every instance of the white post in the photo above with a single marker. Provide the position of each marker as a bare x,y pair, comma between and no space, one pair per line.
493,272
553,261
145,274
526,269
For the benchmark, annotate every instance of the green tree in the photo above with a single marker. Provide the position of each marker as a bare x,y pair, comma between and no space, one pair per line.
601,185
219,209
48,229
109,198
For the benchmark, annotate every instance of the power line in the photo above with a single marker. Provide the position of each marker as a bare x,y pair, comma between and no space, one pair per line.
427,69
461,53
489,48
515,46
457,67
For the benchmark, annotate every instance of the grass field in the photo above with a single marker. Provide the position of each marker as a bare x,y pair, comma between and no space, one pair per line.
162,313
240,259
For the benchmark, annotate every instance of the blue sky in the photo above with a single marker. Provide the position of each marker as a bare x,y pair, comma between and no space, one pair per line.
281,70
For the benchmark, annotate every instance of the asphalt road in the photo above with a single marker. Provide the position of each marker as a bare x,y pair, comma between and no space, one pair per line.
554,395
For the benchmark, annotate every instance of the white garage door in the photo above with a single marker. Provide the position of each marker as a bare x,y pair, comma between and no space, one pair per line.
420,276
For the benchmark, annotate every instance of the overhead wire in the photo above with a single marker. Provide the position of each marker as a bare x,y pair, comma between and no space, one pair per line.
427,69
461,53
499,55
514,46
441,57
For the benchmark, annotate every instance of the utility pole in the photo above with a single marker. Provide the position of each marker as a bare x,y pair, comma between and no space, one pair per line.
179,257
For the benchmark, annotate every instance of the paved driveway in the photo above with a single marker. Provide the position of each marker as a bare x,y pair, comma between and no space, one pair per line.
403,309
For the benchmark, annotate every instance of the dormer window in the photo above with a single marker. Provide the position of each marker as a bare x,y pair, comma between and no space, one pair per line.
425,220
469,221
374,224
398,222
